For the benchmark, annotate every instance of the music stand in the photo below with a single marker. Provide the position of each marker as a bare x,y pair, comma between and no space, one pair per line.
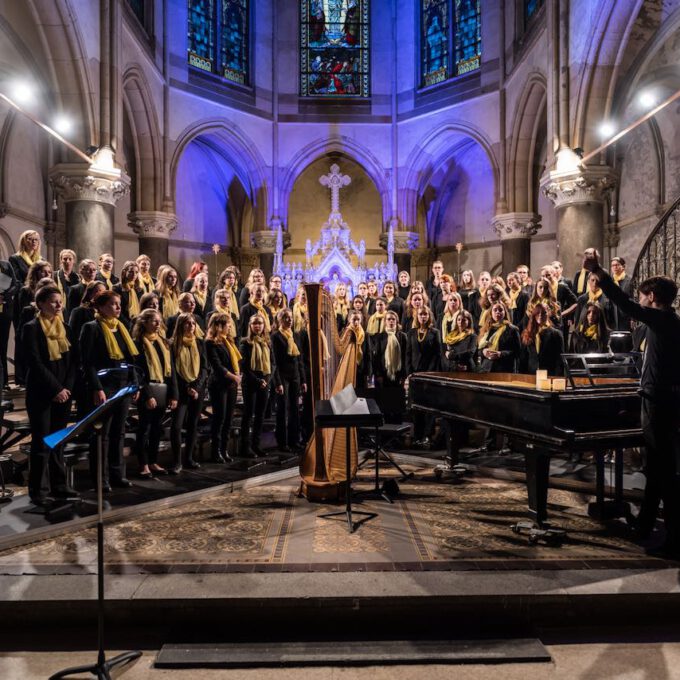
341,411
102,668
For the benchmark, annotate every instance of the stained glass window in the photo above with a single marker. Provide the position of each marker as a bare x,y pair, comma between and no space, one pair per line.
449,27
530,8
234,40
219,38
435,41
334,46
468,36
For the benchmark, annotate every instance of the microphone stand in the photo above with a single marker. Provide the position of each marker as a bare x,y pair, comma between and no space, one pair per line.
102,669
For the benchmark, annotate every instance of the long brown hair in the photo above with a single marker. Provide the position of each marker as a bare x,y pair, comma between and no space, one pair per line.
531,331
182,320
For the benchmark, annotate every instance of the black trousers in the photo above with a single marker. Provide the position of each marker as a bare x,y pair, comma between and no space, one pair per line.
254,404
660,426
47,471
423,425
5,327
187,414
113,441
149,434
223,401
288,414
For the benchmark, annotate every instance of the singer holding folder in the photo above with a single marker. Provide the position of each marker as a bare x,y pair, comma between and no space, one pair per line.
108,353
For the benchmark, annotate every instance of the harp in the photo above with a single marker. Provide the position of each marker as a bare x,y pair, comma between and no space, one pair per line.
333,367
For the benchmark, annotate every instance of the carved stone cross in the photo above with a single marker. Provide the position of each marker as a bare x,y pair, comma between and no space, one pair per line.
335,181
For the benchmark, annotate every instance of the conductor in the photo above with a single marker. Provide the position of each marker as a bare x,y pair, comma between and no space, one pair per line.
660,391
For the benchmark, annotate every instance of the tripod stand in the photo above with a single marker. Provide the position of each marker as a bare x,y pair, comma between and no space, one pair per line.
102,669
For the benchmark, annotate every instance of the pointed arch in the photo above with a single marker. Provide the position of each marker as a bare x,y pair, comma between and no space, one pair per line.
343,146
146,140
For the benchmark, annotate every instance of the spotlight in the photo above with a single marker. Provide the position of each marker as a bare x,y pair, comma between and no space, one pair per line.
607,130
647,100
23,91
63,125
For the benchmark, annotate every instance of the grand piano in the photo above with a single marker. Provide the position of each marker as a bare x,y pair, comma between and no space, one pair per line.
593,414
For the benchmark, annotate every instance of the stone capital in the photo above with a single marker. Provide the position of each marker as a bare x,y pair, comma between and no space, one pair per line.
579,185
88,182
265,241
404,241
516,225
152,224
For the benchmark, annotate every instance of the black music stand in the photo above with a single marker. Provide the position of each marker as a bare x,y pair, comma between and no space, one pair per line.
101,669
340,412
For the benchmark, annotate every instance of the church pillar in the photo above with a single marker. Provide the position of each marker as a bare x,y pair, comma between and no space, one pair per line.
405,242
153,229
90,193
579,196
515,231
264,244
421,261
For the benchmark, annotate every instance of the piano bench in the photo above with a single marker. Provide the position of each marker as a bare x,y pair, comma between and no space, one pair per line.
15,431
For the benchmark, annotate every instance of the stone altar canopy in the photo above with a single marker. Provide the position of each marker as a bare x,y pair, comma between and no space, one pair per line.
335,257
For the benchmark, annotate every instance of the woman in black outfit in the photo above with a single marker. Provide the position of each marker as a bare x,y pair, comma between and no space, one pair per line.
24,311
158,391
188,353
591,333
498,342
424,351
202,296
106,344
467,288
28,254
404,285
519,298
394,302
87,270
258,366
187,305
225,377
387,351
460,345
290,381
542,344
51,361
66,276
129,294
255,305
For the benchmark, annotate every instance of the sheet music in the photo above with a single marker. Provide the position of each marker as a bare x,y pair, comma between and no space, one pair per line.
346,402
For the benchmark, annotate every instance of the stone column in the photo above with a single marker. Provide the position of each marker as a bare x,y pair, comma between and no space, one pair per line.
153,229
90,193
405,242
579,196
264,244
515,231
421,261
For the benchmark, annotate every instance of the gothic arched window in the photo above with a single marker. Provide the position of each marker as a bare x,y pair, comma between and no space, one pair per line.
449,27
334,48
218,35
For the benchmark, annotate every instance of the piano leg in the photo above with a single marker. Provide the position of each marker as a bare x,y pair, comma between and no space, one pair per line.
454,433
537,471
602,509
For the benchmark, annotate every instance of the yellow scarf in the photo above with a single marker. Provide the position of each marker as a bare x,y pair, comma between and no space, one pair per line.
553,286
234,354
537,339
109,328
293,350
55,334
359,335
484,316
376,323
449,321
341,308
188,359
299,317
107,279
392,355
455,336
170,305
259,357
591,332
491,339
133,300
201,298
29,259
234,302
60,285
619,277
157,373
514,294
581,282
146,282
594,297
260,308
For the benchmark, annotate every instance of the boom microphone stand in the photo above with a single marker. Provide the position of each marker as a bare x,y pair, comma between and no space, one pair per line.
102,669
